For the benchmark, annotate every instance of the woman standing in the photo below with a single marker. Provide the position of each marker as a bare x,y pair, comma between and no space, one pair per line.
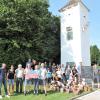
10,77
27,72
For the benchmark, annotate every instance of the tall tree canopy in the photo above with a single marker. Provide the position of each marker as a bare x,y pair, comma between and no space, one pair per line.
28,30
95,54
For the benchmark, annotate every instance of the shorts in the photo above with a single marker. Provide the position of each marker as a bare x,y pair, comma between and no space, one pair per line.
11,81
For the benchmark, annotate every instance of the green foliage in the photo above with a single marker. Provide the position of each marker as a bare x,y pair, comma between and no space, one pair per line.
95,54
28,30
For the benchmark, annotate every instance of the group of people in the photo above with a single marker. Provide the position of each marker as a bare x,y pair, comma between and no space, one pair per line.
96,74
34,75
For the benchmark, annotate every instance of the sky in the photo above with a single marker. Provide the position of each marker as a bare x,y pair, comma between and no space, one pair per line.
94,17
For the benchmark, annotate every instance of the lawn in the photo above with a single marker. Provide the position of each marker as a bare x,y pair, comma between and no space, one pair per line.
50,96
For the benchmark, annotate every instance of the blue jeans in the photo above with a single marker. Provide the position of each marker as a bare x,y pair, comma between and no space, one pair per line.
98,78
36,85
27,83
3,81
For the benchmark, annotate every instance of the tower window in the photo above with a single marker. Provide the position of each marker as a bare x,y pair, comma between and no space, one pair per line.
68,14
84,16
69,33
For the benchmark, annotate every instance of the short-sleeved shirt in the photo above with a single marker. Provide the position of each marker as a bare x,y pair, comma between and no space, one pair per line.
10,74
19,73
49,74
36,73
43,72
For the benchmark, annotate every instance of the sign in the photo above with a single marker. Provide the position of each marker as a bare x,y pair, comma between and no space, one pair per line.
30,76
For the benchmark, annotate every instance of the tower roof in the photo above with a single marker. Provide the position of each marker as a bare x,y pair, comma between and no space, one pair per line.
72,3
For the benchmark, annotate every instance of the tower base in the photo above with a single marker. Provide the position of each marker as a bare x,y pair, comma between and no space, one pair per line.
87,74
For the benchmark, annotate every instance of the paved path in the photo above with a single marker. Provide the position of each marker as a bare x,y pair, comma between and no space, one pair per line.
92,96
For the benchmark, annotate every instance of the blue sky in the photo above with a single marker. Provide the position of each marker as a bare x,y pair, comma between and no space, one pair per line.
94,17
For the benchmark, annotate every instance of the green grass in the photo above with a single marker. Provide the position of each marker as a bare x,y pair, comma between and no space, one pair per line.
50,96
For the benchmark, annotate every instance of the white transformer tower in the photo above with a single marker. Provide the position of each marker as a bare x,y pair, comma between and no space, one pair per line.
75,47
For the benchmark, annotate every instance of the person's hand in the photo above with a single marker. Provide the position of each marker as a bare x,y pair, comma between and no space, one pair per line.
7,79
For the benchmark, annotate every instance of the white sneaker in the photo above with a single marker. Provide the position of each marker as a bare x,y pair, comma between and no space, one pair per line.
7,96
0,96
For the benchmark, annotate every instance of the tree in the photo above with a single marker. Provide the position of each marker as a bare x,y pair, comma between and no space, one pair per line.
95,54
28,30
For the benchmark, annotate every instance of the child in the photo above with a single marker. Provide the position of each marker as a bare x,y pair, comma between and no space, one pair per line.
49,76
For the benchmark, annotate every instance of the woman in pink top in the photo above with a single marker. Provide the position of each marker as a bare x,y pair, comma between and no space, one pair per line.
28,70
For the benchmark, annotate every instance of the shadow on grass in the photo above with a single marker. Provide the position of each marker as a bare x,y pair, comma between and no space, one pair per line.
31,92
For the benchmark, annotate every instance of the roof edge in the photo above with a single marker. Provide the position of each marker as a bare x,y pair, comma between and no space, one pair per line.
68,5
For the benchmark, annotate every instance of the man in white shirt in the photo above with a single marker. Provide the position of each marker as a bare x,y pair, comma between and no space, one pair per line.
19,72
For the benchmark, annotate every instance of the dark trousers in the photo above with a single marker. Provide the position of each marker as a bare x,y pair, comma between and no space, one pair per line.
3,81
19,83
49,80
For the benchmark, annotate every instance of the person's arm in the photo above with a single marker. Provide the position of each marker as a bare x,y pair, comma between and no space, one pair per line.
46,73
14,76
24,72
7,75
16,73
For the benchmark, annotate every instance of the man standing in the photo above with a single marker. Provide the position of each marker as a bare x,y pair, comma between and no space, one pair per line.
3,80
19,72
